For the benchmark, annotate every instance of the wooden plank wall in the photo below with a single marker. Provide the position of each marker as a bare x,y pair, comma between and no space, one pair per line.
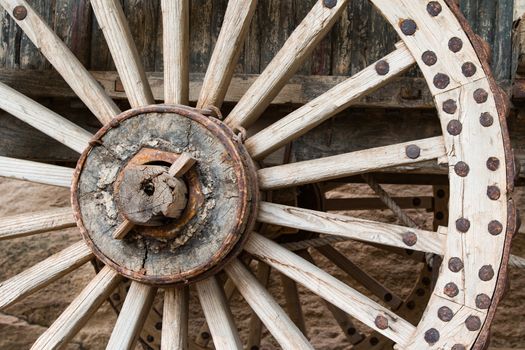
359,38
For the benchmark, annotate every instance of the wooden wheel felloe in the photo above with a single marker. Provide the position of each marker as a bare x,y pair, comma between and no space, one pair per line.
137,154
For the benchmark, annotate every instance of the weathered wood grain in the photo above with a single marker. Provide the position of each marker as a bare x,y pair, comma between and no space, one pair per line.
36,172
175,319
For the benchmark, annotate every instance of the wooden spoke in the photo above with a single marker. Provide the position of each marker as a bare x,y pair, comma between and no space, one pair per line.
43,119
361,276
132,316
226,53
351,227
218,315
32,223
270,313
176,38
371,203
175,319
329,104
79,311
292,302
293,53
65,62
254,338
43,273
36,172
183,163
331,289
111,19
349,164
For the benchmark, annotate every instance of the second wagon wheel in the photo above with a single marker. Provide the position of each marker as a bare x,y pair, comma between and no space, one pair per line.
168,196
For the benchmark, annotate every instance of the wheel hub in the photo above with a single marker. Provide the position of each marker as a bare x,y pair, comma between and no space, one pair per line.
185,228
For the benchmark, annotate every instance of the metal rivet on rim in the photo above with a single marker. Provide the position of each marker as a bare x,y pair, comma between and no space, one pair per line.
454,127
462,169
481,96
382,67
483,301
451,290
495,227
441,81
408,26
473,323
455,264
445,314
486,119
455,44
493,163
462,225
409,238
493,192
458,347
381,322
434,8
413,151
20,12
432,336
486,273
450,106
429,58
329,3
468,69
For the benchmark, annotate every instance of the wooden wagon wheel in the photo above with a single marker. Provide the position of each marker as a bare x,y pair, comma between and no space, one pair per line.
168,195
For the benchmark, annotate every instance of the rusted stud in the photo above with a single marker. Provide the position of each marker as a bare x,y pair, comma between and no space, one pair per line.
455,264
468,69
483,301
114,123
455,44
473,323
329,3
493,163
493,192
495,227
387,297
432,336
486,273
462,225
450,106
429,58
158,326
409,238
441,81
413,151
481,96
458,347
381,322
382,67
150,338
408,26
486,119
454,127
411,305
451,290
95,142
20,12
445,314
434,8
461,168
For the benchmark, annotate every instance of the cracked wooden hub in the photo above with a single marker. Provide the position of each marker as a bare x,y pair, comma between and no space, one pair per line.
183,228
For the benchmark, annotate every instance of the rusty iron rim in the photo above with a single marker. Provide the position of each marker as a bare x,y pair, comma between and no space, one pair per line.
245,216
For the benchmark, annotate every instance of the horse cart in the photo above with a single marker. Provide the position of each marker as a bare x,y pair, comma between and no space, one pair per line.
217,153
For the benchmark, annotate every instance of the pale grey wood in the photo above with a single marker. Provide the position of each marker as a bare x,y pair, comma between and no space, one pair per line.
43,119
175,319
65,62
270,313
36,172
350,227
78,313
132,316
36,222
43,273
329,288
111,19
176,38
218,315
